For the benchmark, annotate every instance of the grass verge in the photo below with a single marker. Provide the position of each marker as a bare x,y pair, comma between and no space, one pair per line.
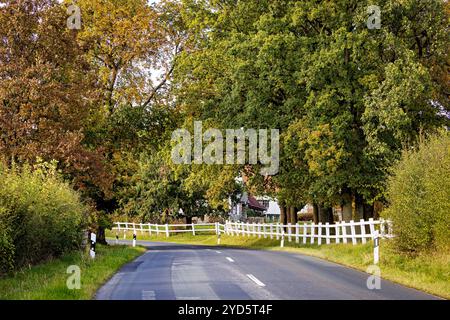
429,273
47,281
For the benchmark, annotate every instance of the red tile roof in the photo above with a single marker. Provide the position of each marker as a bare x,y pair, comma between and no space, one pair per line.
254,204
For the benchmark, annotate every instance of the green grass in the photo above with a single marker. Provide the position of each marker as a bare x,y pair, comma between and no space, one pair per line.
47,281
426,272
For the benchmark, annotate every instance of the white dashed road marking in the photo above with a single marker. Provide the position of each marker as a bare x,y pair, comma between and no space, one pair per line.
229,259
255,280
148,295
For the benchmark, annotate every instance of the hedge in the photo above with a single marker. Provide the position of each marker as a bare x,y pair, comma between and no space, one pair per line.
419,196
41,216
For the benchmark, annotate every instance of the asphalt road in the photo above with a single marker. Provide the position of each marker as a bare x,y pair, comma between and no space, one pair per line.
186,272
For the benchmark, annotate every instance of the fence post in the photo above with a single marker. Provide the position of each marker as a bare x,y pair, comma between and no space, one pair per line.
390,232
277,228
327,232
352,229
254,229
264,231
363,230
167,230
337,237
150,229
282,238
319,234
289,232
193,229
259,230
313,225
271,231
344,232
372,227
118,226
305,231
297,239
142,231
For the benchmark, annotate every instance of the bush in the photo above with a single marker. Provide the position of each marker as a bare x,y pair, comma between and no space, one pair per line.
419,196
40,216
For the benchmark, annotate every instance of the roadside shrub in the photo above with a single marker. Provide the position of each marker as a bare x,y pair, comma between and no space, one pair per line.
419,196
6,246
40,215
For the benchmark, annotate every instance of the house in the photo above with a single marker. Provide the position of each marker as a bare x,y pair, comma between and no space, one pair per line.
247,206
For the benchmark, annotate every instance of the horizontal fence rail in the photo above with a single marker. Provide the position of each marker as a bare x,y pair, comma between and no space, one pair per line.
306,233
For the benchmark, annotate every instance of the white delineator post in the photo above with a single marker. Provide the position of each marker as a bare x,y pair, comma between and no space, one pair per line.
193,229
167,230
282,238
376,247
134,238
93,241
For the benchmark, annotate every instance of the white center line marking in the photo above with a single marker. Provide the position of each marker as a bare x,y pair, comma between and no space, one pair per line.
218,252
255,280
148,295
229,259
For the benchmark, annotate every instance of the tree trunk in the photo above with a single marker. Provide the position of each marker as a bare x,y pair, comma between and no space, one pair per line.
282,214
347,207
368,211
294,218
287,209
188,219
325,214
359,207
101,238
315,213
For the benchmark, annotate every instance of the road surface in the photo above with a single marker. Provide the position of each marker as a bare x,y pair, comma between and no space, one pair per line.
170,271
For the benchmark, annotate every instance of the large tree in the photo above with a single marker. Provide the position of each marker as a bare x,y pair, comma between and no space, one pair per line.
346,98
46,87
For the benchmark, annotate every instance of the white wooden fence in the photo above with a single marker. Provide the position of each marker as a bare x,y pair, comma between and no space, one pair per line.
166,229
312,233
339,232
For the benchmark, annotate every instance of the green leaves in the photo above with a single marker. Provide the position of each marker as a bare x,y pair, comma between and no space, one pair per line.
418,193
